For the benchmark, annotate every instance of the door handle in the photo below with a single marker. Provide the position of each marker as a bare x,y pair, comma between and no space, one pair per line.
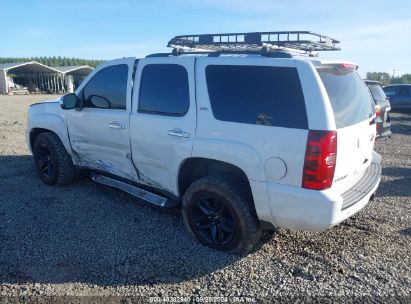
178,133
115,125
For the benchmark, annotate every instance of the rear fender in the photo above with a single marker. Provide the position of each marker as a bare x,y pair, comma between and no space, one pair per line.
232,152
245,158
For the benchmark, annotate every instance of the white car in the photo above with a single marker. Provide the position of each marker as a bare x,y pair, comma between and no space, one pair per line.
245,138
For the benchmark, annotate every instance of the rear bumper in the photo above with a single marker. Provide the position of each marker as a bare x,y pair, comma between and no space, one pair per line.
310,210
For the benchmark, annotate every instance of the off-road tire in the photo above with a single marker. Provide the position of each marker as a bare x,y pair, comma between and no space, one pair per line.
236,195
63,168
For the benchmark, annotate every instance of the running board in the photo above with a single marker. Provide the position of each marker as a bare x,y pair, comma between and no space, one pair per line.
133,190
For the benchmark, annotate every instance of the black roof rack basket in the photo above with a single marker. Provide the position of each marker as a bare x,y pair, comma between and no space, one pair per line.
302,41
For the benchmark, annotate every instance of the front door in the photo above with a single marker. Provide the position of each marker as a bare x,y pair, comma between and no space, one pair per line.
99,131
163,119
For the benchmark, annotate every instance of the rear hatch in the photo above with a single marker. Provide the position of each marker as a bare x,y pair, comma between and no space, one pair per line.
354,116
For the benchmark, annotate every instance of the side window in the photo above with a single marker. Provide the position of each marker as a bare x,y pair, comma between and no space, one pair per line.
107,89
390,91
262,95
403,91
164,90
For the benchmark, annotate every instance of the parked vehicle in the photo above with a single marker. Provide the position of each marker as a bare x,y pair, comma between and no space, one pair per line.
399,96
242,130
382,108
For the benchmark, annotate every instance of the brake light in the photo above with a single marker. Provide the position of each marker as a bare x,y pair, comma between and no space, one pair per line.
346,66
320,159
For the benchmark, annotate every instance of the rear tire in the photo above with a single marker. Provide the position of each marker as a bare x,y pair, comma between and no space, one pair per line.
217,210
53,164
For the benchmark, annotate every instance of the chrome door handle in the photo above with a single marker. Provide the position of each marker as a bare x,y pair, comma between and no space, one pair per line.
115,125
178,133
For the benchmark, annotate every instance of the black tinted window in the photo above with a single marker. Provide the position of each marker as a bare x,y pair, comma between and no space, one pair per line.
107,89
350,99
262,95
164,90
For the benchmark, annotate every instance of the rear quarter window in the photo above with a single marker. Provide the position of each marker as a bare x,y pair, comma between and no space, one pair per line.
262,95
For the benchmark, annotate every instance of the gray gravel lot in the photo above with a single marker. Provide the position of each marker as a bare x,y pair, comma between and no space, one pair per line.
88,240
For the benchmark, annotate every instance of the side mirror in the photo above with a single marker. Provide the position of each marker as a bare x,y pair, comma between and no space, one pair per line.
69,101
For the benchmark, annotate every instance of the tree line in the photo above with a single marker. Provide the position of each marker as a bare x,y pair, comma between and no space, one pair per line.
386,78
54,61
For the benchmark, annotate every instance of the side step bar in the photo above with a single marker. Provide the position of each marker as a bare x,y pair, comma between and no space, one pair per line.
133,190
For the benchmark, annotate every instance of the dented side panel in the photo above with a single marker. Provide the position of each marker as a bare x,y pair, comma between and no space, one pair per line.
100,138
157,150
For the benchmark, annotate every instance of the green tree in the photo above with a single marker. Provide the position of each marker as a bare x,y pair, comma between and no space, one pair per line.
382,77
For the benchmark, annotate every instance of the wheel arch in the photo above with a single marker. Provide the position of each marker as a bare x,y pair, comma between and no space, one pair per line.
46,122
240,158
194,168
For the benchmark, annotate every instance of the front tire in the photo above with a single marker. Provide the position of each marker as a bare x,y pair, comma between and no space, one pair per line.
53,164
217,210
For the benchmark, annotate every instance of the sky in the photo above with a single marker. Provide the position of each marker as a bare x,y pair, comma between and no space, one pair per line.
374,34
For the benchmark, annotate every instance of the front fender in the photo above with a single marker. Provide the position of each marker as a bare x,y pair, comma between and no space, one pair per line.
49,121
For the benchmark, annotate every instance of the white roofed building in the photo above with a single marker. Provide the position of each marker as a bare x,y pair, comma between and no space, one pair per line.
36,77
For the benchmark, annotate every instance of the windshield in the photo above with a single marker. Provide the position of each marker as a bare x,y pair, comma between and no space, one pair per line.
377,92
350,99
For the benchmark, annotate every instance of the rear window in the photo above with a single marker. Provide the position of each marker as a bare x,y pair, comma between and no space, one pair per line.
350,99
377,92
262,95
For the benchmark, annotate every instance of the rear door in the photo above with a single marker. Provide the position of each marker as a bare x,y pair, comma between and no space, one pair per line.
163,119
354,116
99,131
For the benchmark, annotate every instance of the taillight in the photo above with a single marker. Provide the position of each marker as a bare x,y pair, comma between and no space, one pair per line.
377,111
320,159
377,115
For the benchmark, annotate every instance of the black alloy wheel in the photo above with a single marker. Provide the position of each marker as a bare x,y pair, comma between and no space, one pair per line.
218,211
53,164
213,222
45,161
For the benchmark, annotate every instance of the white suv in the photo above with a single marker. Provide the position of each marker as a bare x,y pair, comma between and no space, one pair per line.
245,137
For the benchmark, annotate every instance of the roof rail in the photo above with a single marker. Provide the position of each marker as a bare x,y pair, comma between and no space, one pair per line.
300,41
177,52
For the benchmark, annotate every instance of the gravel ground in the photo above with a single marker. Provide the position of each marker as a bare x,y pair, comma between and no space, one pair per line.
86,242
